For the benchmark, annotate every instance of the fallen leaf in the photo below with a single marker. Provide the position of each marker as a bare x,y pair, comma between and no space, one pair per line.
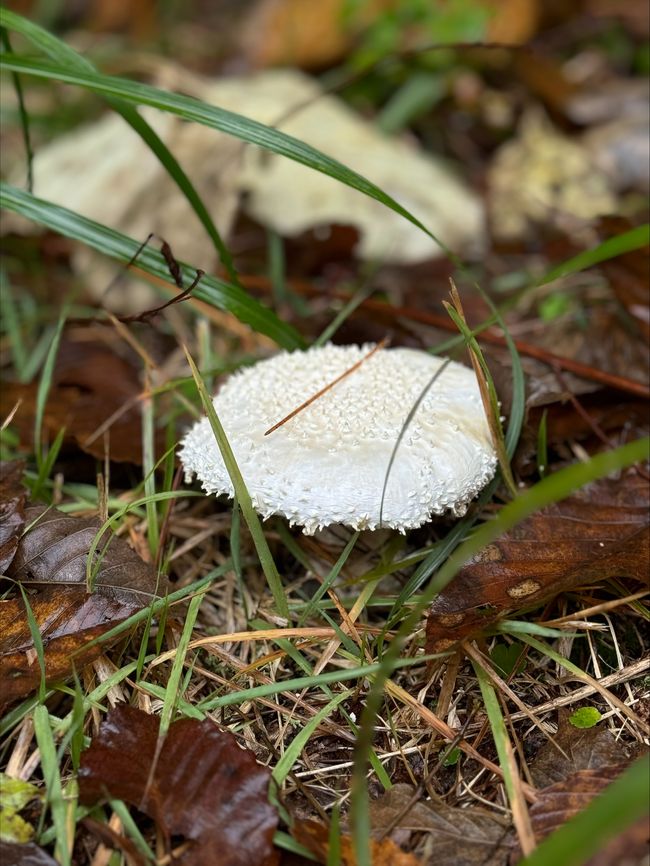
12,854
451,836
12,510
599,532
558,803
50,563
315,837
198,784
572,750
90,384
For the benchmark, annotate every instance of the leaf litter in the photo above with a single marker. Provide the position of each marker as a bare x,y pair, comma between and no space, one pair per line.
196,782
203,535
50,565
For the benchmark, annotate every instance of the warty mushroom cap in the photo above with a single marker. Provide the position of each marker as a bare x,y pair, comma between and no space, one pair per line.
327,465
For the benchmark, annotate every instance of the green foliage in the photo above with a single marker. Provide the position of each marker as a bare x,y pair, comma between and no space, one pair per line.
14,796
506,658
585,717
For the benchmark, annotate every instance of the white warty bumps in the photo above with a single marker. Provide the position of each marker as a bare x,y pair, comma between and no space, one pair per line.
328,464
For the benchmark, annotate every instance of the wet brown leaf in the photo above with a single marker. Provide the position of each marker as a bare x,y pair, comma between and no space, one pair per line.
12,854
315,836
452,836
90,384
574,749
598,533
202,787
12,510
50,563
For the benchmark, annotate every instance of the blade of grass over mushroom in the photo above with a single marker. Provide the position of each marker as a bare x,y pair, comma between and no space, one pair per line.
486,386
243,496
414,408
520,816
59,52
250,131
551,489
218,293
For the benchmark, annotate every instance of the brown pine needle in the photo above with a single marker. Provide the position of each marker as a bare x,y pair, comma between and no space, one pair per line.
381,345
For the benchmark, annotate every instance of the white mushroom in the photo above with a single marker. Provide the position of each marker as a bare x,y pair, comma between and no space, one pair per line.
328,463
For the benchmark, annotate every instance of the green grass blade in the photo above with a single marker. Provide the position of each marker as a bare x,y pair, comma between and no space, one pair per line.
218,293
61,53
292,753
502,742
243,496
172,692
37,640
250,131
609,249
22,111
50,765
44,388
610,813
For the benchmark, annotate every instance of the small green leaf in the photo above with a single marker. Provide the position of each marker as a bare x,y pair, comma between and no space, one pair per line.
505,658
585,717
452,758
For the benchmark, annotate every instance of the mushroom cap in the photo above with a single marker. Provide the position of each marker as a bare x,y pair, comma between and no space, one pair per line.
328,463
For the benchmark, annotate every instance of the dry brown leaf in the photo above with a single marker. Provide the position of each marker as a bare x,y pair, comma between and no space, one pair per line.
452,836
599,532
573,749
315,836
12,510
90,383
50,563
558,803
202,786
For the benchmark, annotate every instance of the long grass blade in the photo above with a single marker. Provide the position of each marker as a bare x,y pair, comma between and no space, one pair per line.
218,293
250,131
62,53
243,496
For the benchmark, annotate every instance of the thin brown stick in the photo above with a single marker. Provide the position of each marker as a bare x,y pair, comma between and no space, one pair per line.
592,374
382,344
